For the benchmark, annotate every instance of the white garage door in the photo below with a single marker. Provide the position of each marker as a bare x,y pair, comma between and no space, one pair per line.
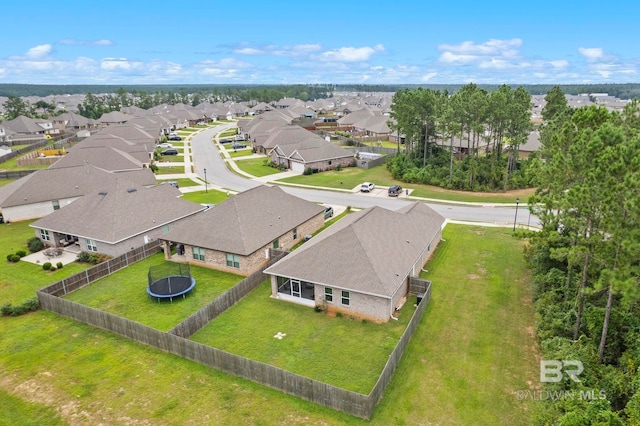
297,167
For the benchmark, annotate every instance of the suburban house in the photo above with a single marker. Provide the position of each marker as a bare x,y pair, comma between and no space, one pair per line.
361,265
115,217
29,128
313,153
236,235
45,191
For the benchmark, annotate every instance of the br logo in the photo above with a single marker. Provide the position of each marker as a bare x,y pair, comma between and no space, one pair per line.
552,370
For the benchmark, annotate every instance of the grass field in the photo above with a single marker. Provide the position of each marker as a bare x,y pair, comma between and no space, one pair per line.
123,293
316,345
473,349
19,281
256,167
183,182
239,152
170,170
202,197
351,177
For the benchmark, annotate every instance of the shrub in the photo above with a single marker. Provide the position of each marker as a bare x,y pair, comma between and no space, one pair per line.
35,244
59,265
21,253
53,268
308,171
14,258
83,257
28,306
339,167
46,266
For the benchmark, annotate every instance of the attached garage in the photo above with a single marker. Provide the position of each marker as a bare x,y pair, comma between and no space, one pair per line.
297,167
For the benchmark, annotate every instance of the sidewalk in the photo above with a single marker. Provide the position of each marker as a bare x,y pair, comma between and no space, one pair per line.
273,179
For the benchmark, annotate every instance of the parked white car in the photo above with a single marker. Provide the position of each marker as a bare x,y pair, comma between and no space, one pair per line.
367,187
165,145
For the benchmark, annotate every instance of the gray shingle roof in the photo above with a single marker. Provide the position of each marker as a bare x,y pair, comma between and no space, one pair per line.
245,222
58,184
370,251
119,209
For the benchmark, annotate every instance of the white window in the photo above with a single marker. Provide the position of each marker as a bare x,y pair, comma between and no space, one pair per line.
91,245
345,297
328,294
198,253
233,260
44,234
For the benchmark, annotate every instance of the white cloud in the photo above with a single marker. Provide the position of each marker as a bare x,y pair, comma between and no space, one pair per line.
74,42
490,47
103,42
591,53
428,76
39,51
248,51
559,63
111,64
351,54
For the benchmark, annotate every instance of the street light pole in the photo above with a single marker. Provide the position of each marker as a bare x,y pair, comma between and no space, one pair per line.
206,190
516,217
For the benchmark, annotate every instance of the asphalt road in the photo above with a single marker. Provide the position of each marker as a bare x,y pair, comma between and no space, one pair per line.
206,156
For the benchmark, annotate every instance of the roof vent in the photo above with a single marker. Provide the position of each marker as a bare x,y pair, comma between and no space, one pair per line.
102,193
130,190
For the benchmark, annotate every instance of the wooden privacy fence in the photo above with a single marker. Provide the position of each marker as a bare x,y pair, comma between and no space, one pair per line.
195,322
81,279
350,402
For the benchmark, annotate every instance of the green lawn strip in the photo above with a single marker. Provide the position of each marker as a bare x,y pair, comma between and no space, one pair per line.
475,346
202,197
172,158
228,133
182,182
16,411
256,167
316,345
351,177
12,164
383,144
170,170
91,376
124,293
233,153
19,281
4,182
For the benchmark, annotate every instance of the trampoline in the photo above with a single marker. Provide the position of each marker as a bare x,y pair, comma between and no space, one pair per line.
169,281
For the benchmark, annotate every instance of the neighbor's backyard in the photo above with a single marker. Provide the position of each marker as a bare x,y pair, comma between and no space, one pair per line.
472,351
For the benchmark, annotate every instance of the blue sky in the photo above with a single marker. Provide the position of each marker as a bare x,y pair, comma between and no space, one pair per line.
287,42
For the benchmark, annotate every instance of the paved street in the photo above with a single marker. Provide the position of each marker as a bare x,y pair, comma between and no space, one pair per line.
201,152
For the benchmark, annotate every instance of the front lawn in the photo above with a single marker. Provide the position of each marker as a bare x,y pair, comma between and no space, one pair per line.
169,170
202,197
256,167
351,177
233,153
322,347
124,293
182,182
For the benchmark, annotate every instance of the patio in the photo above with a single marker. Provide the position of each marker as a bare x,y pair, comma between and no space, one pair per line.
66,256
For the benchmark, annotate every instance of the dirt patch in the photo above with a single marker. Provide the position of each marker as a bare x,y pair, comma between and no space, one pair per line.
473,276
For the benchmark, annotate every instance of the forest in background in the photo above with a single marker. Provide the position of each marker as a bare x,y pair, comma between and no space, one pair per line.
314,91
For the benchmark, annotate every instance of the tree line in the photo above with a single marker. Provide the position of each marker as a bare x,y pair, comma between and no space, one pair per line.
488,126
585,261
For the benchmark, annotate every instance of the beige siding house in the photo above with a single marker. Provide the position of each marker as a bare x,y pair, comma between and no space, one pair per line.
115,218
361,265
235,235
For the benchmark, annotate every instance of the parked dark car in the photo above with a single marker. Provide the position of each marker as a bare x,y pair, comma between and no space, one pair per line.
395,190
225,140
238,145
174,138
169,152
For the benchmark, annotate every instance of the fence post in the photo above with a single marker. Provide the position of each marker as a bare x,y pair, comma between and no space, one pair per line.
64,287
126,258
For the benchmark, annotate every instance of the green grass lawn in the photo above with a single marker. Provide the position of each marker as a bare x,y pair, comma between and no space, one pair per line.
4,182
183,182
476,346
473,349
384,144
318,346
202,197
12,164
229,132
172,158
169,170
256,167
350,177
239,152
124,293
19,281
